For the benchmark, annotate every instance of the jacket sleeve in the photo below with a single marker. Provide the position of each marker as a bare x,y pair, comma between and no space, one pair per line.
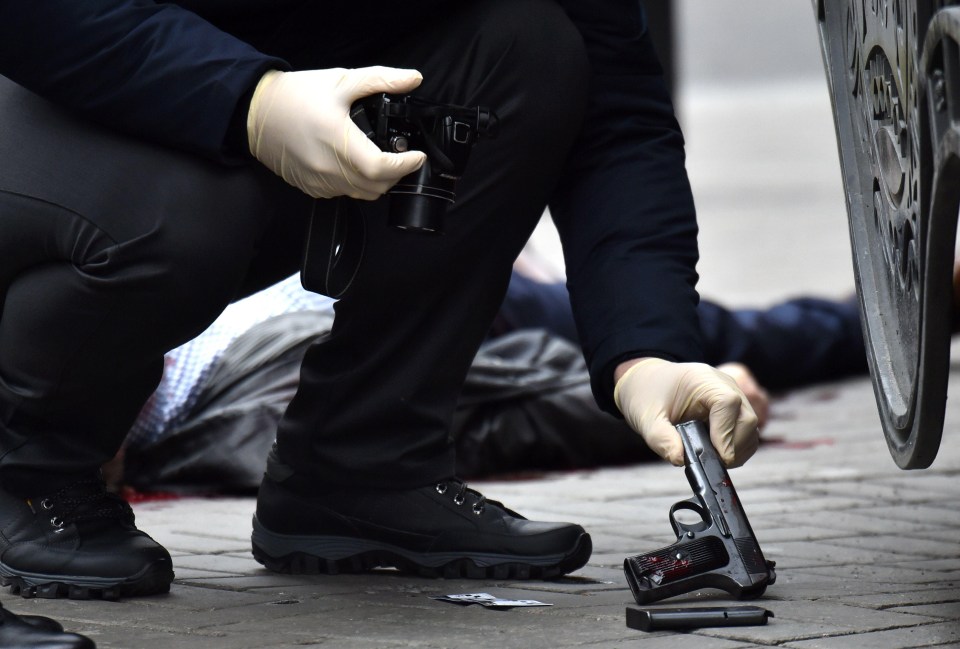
624,209
153,70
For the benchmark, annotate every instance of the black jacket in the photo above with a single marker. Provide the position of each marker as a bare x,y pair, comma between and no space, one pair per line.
176,73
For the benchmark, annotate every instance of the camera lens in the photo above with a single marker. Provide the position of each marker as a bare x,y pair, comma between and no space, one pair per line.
419,201
416,212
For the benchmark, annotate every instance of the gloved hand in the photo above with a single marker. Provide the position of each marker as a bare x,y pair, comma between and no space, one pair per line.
756,395
299,127
655,394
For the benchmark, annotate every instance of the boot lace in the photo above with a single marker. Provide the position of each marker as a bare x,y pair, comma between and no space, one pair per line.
85,500
460,497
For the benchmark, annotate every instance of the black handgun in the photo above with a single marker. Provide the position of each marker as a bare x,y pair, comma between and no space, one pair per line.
719,551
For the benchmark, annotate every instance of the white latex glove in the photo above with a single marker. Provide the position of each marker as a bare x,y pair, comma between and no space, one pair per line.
299,127
655,394
754,392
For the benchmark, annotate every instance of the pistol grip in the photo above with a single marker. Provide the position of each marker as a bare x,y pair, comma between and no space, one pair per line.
673,570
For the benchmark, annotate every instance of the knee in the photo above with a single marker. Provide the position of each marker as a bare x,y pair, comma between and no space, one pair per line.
544,52
525,59
535,35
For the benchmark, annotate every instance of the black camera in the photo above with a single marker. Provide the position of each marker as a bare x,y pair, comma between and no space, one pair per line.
446,133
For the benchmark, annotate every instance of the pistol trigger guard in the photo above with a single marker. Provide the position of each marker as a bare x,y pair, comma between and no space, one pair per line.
682,528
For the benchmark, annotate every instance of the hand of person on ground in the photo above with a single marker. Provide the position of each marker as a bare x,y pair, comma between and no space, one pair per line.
299,127
756,395
654,395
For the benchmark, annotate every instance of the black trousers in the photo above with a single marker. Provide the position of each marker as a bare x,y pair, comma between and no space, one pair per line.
113,251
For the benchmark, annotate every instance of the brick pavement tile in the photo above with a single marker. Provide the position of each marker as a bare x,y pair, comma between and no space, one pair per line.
195,514
828,552
375,581
866,491
906,545
768,535
934,481
265,582
628,535
800,504
920,636
885,574
914,488
172,619
777,632
945,610
205,599
446,625
668,640
947,461
568,601
613,581
181,597
918,596
120,637
329,590
200,544
833,584
299,589
651,504
404,614
585,582
352,643
230,563
207,504
855,522
269,611
613,561
224,538
948,535
186,575
945,515
756,494
846,616
803,620
944,569
816,468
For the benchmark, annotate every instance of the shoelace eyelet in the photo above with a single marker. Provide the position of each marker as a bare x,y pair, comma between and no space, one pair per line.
478,508
47,504
458,500
57,523
441,488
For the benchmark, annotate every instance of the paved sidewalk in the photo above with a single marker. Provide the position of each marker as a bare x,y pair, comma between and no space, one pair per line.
867,556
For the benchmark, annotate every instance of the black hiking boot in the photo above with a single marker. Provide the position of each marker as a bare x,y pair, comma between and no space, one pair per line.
78,542
441,530
37,632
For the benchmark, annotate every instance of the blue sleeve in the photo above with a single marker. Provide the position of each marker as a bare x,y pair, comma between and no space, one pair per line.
624,208
153,70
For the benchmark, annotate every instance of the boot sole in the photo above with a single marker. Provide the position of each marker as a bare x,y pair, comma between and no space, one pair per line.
332,555
152,580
